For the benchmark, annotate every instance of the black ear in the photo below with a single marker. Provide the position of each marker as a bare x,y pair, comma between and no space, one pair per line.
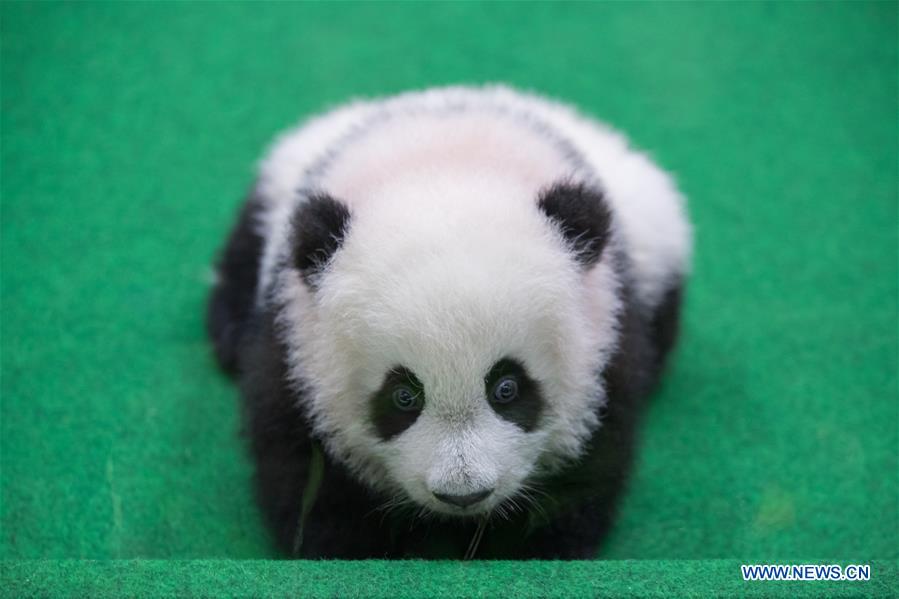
582,215
319,226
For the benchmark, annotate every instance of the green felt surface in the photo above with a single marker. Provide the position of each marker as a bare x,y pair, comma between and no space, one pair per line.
639,578
129,132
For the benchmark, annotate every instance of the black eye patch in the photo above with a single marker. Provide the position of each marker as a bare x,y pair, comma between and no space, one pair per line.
513,394
397,404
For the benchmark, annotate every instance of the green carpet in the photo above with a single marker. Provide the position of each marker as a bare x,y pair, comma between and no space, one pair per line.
129,134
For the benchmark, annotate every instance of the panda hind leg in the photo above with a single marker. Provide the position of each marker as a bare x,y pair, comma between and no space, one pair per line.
233,294
665,325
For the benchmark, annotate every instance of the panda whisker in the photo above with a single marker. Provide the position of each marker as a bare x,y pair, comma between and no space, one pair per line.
387,512
476,539
387,506
501,511
534,487
529,499
530,494
513,505
394,505
421,513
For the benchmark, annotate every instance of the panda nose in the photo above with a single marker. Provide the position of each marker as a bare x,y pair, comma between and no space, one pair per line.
464,500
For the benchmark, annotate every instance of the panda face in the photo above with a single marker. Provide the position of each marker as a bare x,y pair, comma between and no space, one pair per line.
476,463
452,353
452,401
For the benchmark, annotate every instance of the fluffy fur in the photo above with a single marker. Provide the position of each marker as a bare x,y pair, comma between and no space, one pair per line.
443,242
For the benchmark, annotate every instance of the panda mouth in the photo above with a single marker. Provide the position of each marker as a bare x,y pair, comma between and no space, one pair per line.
466,500
471,511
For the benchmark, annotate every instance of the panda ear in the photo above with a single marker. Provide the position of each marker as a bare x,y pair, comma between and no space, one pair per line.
319,226
583,217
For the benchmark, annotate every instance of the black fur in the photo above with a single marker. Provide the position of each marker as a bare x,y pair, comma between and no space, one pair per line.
319,226
347,521
525,409
232,296
580,211
666,322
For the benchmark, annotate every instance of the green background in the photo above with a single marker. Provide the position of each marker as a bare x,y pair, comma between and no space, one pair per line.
129,134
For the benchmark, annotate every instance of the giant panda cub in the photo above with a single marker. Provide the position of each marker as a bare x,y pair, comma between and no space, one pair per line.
445,310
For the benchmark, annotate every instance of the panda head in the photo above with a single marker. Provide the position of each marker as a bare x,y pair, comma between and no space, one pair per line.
451,354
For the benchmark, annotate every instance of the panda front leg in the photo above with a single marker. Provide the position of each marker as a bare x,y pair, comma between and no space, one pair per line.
311,503
576,535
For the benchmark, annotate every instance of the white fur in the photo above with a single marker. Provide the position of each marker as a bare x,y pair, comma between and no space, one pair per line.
449,266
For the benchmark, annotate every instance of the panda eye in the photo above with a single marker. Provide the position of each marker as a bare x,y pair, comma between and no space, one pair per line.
506,390
513,395
405,400
397,403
